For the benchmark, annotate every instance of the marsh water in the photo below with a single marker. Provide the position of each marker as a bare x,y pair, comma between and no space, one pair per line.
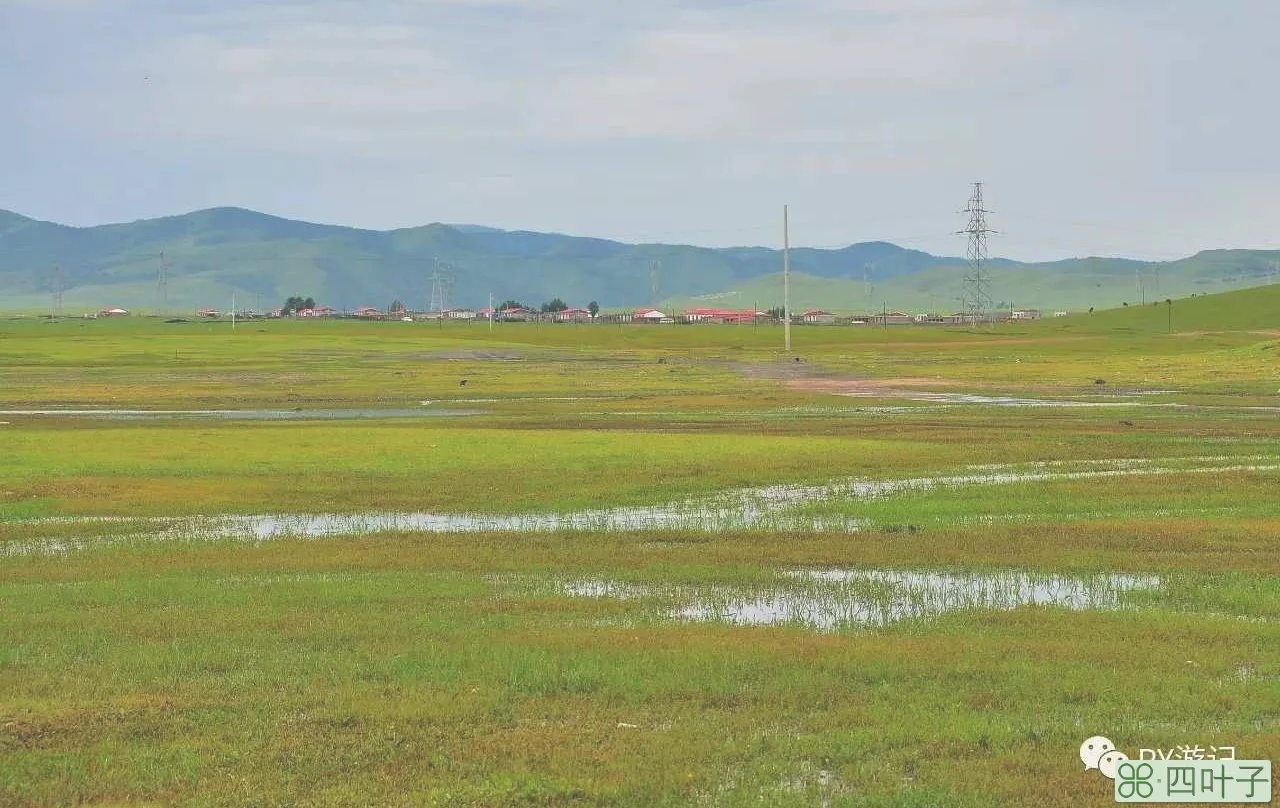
829,599
774,508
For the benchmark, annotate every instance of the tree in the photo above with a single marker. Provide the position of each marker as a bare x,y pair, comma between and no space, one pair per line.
594,308
510,304
555,305
295,304
396,307
777,313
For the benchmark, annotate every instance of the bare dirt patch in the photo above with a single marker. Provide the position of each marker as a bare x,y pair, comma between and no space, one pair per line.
871,388
500,356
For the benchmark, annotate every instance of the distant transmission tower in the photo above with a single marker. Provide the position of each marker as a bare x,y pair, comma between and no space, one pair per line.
162,282
57,291
441,286
867,288
655,282
977,295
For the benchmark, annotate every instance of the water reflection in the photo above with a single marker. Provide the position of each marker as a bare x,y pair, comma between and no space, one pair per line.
826,600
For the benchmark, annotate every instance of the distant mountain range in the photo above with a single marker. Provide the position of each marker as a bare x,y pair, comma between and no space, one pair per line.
210,255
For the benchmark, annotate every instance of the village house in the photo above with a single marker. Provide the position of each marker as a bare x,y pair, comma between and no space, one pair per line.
318,311
516,314
940,319
818,317
708,315
572,316
207,311
650,316
891,318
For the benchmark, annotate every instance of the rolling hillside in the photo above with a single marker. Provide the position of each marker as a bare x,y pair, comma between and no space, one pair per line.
212,254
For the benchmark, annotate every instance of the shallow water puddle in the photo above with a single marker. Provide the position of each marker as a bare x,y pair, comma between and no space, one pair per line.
771,508
827,600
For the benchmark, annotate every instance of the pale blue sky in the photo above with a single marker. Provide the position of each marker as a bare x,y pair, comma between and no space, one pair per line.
1132,127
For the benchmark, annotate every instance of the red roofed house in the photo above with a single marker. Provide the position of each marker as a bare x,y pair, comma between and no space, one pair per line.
572,316
318,311
721,315
516,315
818,316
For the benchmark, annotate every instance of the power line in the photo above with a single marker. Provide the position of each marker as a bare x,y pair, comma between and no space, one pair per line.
977,297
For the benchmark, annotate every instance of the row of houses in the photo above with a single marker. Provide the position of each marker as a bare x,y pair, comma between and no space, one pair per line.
651,316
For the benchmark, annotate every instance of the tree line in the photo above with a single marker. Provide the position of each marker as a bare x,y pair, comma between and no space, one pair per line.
550,307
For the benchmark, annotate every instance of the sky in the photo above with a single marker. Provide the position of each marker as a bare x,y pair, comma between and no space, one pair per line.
1139,128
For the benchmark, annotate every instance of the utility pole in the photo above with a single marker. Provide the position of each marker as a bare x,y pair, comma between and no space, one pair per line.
977,299
233,311
786,280
491,311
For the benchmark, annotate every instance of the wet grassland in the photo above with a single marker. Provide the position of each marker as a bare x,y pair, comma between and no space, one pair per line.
647,566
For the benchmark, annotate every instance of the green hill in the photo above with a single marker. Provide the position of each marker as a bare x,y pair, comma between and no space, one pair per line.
1061,286
1254,309
212,254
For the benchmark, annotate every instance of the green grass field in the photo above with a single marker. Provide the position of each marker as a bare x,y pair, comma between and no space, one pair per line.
150,657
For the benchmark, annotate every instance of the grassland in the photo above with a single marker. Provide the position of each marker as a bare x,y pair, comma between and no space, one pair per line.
416,668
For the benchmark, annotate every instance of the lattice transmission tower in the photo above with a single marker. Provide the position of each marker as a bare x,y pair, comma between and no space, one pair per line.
442,281
59,287
162,282
977,292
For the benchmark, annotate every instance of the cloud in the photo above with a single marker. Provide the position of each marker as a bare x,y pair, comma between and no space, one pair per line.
670,115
